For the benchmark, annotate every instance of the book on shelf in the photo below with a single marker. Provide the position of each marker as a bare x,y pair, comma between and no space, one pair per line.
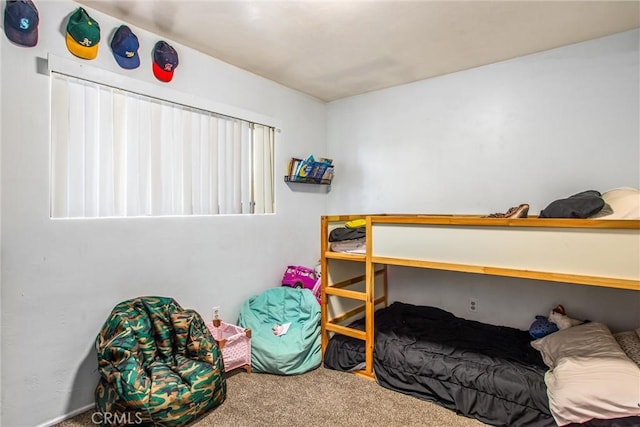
328,174
292,167
305,169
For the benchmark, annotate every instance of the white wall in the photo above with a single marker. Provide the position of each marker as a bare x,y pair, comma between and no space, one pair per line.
528,130
61,278
0,238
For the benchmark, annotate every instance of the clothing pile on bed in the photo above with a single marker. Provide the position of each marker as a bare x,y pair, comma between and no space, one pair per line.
619,203
349,239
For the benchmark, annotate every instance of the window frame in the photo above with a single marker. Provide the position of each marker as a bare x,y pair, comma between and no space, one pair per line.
165,94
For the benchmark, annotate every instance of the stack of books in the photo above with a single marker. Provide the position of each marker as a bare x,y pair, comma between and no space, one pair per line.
310,170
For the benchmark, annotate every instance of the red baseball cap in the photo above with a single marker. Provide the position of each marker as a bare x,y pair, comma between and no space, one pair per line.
165,61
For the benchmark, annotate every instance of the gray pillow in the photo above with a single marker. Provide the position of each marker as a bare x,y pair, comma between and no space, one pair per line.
629,342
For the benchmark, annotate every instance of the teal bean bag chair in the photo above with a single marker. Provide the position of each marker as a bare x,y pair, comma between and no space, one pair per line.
298,350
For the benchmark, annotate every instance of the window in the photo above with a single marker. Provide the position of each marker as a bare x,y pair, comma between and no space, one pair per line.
118,153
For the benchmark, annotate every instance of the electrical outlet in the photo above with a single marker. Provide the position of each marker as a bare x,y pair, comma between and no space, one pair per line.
473,304
216,312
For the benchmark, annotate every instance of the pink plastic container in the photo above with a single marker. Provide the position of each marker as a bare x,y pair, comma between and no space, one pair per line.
235,343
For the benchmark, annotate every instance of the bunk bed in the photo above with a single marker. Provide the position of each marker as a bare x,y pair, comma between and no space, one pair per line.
589,252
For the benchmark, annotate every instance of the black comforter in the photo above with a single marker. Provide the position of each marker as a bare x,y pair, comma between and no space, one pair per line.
482,371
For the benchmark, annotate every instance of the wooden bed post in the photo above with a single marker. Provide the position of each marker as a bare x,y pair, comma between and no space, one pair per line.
369,301
385,284
324,278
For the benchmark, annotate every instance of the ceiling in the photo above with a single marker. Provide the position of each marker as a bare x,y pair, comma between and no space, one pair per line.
336,49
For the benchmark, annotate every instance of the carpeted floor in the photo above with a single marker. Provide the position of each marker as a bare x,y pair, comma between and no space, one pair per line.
318,398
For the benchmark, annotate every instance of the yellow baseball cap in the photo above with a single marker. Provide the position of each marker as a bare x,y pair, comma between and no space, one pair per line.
83,35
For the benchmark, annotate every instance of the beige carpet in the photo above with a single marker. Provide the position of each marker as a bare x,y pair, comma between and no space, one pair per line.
318,398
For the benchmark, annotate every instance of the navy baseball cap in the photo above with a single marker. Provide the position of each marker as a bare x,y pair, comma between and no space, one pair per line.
124,46
165,61
21,22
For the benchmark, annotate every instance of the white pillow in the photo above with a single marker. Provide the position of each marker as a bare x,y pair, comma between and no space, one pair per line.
586,340
625,203
590,376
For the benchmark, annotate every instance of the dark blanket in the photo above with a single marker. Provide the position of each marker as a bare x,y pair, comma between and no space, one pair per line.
431,324
344,353
409,323
343,233
482,371
617,422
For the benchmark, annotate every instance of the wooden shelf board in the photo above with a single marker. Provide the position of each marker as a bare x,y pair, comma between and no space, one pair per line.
345,256
607,282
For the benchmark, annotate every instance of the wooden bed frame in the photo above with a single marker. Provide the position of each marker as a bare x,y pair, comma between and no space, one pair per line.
582,251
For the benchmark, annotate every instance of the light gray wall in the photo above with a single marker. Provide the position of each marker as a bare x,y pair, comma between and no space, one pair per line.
529,130
0,238
61,278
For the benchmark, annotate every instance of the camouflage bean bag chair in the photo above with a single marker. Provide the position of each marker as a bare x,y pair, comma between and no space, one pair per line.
158,363
298,350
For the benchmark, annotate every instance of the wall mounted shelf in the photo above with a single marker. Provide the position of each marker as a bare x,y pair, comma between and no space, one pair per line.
309,171
302,180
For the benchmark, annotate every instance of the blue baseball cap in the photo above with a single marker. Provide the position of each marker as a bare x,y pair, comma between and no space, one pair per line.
124,46
21,22
165,61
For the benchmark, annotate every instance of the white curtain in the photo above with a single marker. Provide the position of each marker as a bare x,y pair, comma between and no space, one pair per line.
262,167
115,153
